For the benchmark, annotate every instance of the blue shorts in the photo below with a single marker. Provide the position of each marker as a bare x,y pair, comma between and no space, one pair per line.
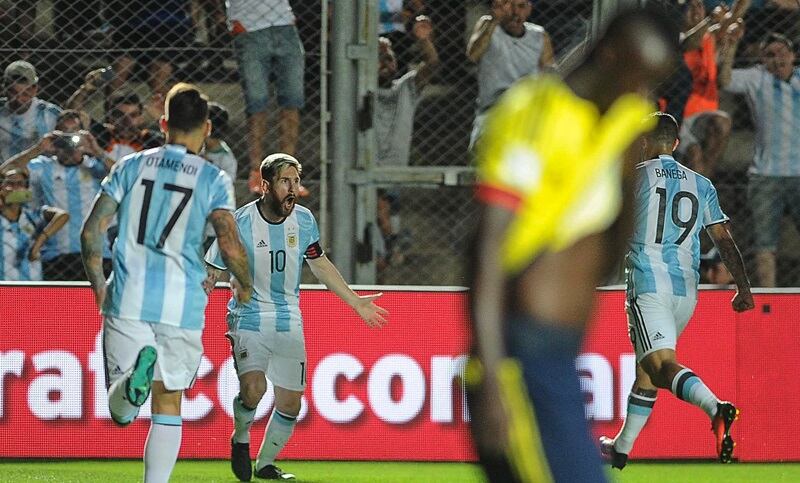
273,52
770,197
546,355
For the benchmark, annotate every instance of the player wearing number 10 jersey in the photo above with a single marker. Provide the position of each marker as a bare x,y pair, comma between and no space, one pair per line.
673,205
154,311
266,334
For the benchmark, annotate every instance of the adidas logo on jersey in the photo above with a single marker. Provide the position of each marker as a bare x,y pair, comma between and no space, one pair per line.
658,336
262,244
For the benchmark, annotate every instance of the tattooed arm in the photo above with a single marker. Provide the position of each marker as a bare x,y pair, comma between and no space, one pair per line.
92,236
233,253
721,235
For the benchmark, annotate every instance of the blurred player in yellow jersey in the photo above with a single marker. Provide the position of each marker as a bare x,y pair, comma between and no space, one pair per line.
551,185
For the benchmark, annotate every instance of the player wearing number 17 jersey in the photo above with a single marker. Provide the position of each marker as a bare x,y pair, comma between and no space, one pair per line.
266,334
153,305
673,205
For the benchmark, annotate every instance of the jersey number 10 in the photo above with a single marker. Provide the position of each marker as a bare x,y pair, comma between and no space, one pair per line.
687,225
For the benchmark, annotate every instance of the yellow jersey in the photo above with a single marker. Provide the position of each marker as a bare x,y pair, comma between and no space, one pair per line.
554,159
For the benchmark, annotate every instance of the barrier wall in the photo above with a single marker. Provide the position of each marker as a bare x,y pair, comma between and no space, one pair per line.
389,394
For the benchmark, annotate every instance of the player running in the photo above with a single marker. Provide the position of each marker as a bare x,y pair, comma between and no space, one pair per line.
551,188
673,205
266,334
154,303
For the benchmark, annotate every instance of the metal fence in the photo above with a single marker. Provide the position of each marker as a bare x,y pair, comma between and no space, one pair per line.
428,203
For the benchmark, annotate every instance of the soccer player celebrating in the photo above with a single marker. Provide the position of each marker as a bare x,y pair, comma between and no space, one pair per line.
154,303
266,333
551,188
673,204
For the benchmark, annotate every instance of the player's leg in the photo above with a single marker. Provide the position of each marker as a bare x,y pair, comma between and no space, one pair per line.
287,372
179,355
640,406
289,82
279,430
551,435
164,438
130,357
251,358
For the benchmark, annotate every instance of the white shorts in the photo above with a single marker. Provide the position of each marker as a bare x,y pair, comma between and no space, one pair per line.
279,355
179,350
655,321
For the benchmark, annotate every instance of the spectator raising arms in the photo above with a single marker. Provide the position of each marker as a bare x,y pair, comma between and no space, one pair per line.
774,185
518,48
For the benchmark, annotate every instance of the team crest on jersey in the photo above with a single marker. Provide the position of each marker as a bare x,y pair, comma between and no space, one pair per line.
291,240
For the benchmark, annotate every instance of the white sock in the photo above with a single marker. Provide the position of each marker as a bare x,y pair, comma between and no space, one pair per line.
121,409
690,388
639,408
242,420
161,448
279,430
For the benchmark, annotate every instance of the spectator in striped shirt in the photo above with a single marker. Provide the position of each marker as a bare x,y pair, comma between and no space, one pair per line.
24,118
23,230
772,88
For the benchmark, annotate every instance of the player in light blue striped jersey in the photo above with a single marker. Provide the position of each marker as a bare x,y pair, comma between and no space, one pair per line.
266,333
154,302
673,204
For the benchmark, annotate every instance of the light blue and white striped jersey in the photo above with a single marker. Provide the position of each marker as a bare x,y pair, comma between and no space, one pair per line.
165,196
16,238
775,106
71,188
276,252
18,132
672,205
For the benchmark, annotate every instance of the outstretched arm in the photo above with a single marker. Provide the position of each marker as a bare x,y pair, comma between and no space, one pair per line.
423,31
484,28
721,235
327,273
56,219
92,235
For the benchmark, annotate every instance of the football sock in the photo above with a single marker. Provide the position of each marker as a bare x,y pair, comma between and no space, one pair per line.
122,411
690,388
242,420
161,448
279,430
640,405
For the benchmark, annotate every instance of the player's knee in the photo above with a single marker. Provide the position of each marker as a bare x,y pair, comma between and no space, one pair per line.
252,391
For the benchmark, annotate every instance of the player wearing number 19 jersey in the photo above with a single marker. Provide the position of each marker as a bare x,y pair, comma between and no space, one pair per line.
153,312
266,334
673,205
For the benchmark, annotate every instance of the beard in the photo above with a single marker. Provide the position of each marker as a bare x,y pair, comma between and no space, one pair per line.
284,206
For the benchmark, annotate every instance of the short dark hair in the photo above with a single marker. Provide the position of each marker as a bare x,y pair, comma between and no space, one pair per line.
773,37
666,130
273,164
186,108
123,97
67,115
218,115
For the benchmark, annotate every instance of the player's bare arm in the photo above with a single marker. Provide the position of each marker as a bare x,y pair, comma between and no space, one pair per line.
721,235
547,60
233,253
56,219
423,31
364,305
92,235
487,303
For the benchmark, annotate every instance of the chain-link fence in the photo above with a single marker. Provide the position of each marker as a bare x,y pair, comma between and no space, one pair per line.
88,53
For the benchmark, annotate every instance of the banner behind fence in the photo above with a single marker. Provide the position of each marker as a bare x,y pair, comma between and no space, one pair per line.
390,394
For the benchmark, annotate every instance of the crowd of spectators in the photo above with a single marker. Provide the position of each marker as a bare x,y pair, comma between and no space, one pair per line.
59,156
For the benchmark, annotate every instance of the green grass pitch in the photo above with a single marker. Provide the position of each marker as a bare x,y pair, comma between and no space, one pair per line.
333,472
